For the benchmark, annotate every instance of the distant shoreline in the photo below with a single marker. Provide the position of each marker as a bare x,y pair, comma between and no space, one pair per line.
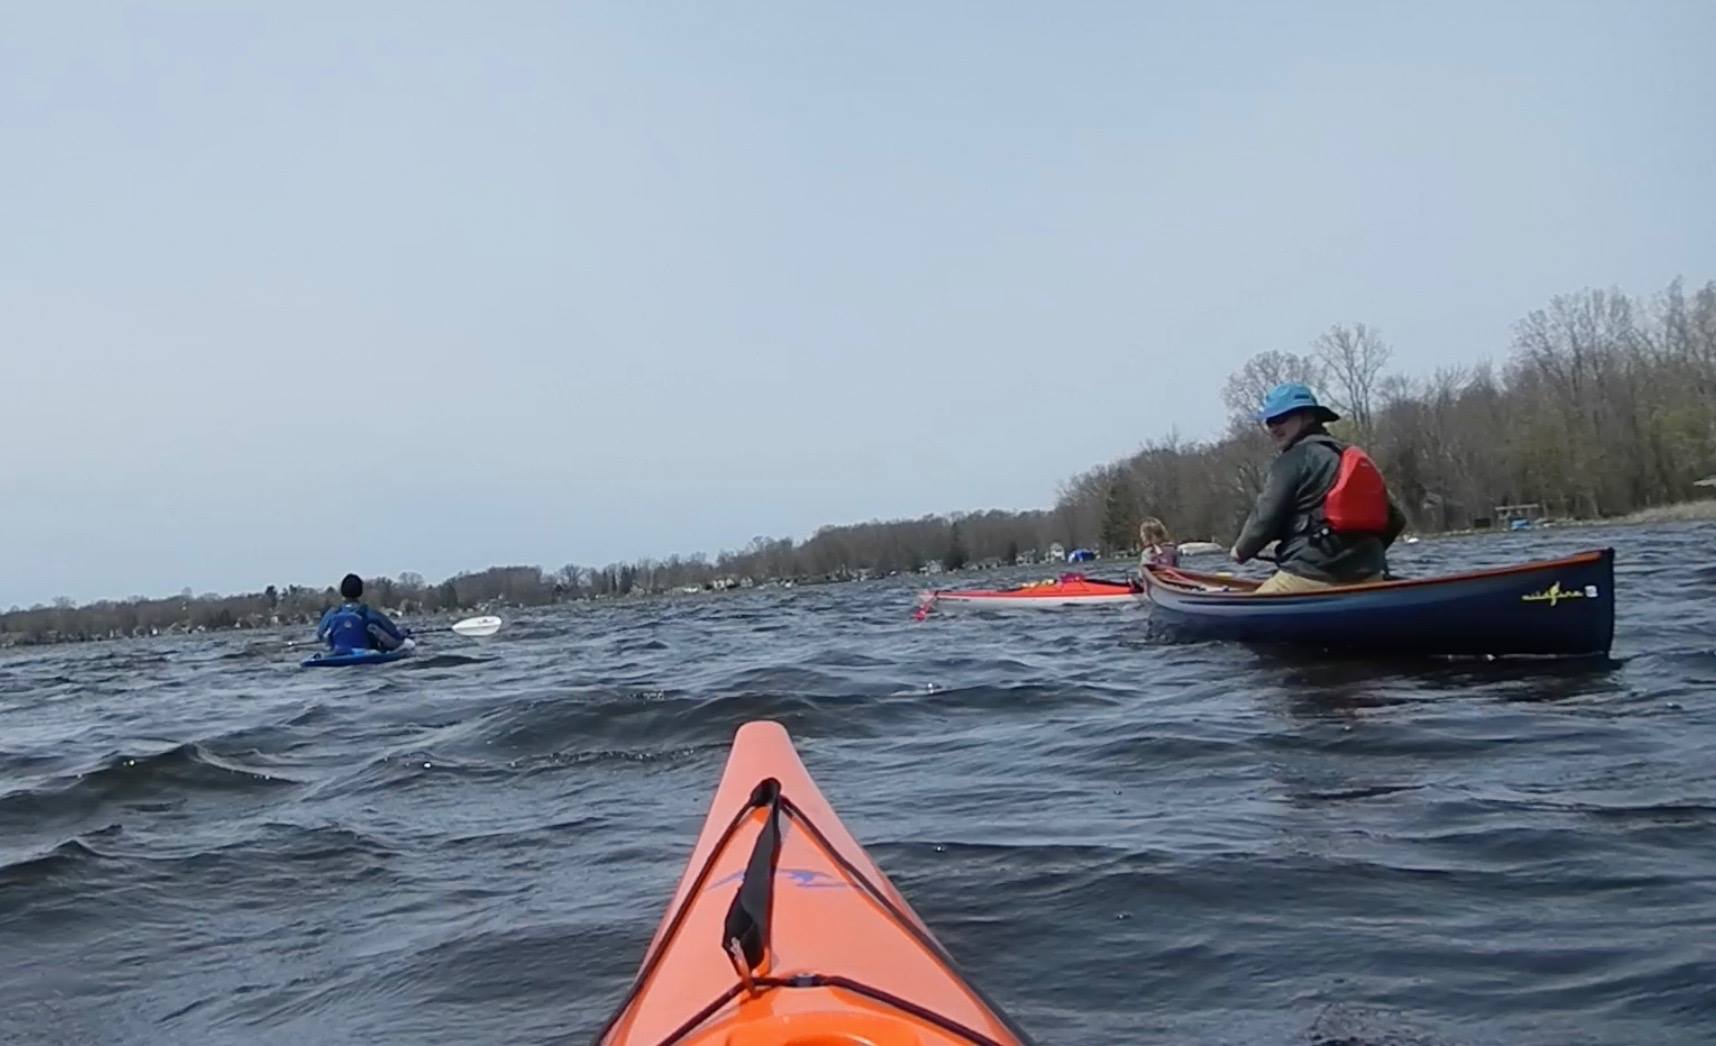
1602,408
1703,510
1699,511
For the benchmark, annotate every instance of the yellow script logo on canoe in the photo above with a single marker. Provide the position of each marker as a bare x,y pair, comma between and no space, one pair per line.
1554,594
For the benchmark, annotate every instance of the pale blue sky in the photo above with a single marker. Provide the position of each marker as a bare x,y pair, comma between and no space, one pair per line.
292,289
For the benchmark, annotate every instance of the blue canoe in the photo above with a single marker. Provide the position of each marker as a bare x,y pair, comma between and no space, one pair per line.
1560,607
341,659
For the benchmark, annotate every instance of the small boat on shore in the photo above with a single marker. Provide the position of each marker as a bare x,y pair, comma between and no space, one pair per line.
1562,607
1201,548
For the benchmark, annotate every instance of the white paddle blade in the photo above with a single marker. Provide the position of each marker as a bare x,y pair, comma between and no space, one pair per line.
477,627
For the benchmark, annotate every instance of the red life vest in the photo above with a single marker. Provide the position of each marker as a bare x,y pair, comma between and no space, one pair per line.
1358,502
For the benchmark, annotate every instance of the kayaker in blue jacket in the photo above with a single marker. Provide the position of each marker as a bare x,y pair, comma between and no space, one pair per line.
1324,503
354,625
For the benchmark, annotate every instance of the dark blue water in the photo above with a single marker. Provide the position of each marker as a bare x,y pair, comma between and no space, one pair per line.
1123,841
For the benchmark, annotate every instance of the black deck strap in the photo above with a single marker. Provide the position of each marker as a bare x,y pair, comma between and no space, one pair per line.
923,1013
696,1020
905,921
818,980
653,960
748,916
743,925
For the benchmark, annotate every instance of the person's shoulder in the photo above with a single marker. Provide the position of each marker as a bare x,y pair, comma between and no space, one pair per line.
1315,446
1303,460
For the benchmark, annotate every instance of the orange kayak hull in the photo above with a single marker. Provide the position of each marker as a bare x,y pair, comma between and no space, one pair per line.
847,963
1065,591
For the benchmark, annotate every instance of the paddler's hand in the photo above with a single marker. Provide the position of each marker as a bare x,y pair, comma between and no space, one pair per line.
1233,554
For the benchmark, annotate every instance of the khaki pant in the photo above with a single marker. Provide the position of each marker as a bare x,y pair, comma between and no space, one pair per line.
1281,581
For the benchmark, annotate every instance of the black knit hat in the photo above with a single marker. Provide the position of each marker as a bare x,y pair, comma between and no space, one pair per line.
351,586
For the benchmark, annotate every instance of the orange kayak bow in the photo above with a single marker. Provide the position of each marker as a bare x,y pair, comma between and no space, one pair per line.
784,933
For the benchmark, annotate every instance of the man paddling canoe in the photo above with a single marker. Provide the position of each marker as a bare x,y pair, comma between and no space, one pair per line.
354,625
1324,503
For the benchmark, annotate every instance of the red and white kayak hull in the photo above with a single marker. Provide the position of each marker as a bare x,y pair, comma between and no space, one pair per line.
1067,591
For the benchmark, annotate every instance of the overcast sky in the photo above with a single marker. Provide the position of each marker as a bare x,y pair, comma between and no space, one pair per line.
288,290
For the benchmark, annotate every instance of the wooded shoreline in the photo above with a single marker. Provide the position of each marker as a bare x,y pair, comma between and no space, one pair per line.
1603,411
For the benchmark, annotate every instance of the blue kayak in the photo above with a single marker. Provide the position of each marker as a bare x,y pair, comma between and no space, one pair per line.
343,658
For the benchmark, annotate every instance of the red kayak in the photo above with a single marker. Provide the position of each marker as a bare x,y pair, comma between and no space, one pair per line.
1068,590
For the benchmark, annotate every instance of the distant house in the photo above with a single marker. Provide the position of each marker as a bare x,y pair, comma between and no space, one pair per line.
1028,557
1530,510
1707,481
1056,553
932,567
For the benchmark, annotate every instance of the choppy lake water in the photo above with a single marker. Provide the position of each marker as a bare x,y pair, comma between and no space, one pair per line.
1123,841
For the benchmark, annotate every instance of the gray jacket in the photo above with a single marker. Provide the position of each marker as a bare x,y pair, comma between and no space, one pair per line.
1290,510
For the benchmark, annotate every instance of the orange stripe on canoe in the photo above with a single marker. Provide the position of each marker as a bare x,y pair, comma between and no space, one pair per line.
783,932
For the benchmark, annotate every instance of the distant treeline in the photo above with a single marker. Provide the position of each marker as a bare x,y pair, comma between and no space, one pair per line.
1606,405
291,605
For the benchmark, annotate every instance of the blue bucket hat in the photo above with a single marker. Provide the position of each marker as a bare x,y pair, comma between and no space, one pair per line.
1291,396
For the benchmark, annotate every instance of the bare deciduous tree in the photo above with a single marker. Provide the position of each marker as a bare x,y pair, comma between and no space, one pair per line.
1353,359
1247,386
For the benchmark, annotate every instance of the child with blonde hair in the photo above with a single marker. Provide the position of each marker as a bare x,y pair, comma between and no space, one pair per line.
1159,549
